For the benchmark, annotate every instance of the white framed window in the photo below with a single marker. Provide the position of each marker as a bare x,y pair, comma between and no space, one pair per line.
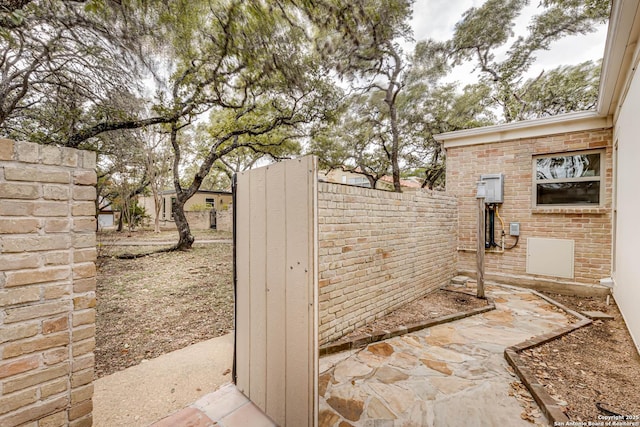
569,179
360,181
173,206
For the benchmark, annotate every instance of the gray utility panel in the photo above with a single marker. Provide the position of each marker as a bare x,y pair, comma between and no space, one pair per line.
494,187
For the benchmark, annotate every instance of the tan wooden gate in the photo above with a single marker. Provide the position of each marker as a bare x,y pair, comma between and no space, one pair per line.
276,355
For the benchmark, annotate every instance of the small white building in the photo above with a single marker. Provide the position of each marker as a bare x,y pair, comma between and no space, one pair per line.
107,217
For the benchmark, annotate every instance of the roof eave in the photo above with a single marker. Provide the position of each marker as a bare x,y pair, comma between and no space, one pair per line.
563,123
620,48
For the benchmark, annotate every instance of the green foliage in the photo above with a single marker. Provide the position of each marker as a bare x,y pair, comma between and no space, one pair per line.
482,29
562,90
354,142
352,36
250,67
400,114
136,214
389,127
65,65
378,60
486,29
199,207
435,109
595,9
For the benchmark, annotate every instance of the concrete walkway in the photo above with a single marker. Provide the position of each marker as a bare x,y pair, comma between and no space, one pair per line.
448,375
143,394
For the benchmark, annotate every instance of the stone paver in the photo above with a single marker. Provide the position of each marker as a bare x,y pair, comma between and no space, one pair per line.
453,375
448,375
225,407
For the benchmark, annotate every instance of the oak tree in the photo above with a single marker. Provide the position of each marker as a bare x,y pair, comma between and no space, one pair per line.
484,30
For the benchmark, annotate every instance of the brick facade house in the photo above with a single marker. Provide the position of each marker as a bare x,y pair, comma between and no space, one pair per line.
577,231
570,182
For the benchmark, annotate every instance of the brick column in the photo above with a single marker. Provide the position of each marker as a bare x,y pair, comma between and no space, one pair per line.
47,284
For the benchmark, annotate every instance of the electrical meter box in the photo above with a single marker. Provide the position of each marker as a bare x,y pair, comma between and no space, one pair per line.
494,187
514,229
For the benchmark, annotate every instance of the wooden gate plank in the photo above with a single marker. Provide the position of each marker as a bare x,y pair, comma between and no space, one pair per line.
299,345
276,291
258,300
243,311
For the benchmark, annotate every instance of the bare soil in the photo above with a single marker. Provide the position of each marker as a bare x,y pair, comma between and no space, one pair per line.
435,304
159,303
595,365
110,236
162,302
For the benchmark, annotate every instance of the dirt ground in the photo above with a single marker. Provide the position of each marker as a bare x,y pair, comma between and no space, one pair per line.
164,235
595,365
436,304
156,304
159,303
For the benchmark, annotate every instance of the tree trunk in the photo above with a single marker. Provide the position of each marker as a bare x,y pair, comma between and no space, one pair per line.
431,176
185,240
129,215
390,99
395,140
372,181
120,221
156,222
156,207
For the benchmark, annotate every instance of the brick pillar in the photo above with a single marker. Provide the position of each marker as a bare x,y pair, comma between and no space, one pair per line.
47,284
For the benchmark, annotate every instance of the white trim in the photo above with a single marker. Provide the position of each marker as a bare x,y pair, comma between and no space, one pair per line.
600,178
620,45
632,67
563,123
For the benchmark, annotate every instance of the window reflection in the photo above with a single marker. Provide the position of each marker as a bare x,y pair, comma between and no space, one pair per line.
576,166
572,179
569,193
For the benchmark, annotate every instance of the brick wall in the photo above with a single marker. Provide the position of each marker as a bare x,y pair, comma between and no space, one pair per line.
224,219
379,250
198,220
47,284
590,228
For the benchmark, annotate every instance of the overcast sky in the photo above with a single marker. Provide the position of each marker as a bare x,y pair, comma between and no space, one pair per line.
436,19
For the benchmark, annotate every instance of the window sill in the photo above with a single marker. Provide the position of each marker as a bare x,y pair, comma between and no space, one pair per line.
571,210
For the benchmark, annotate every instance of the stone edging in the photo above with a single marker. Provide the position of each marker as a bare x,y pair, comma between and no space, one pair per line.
343,345
552,411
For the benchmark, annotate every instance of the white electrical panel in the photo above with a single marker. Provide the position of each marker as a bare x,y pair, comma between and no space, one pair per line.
514,229
494,187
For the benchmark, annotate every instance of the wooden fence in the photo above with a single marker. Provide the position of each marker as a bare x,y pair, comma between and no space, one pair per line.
276,362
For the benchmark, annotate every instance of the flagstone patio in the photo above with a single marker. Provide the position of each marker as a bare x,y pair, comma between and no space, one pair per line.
453,374
448,375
